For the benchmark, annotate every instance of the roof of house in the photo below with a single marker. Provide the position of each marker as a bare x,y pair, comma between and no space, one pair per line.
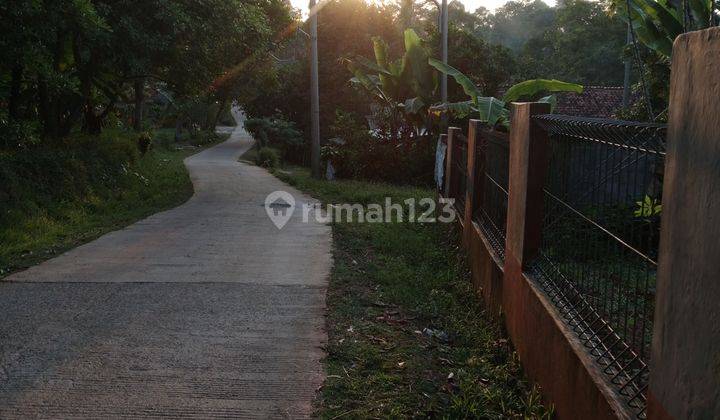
594,101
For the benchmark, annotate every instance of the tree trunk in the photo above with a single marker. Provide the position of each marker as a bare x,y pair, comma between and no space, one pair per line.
15,86
139,101
92,124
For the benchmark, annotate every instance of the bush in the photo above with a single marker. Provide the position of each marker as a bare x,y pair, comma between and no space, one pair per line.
72,168
201,138
358,153
280,134
144,142
268,157
17,134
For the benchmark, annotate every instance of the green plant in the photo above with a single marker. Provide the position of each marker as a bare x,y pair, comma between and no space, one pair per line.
657,23
268,157
648,207
357,153
278,133
405,87
144,142
492,110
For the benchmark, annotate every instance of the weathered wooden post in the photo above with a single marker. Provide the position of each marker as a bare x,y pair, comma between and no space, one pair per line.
470,182
528,164
685,362
454,134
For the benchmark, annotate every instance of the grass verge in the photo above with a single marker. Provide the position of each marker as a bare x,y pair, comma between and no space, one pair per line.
41,223
407,335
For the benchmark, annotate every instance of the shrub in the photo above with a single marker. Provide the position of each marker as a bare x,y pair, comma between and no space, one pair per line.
268,157
17,134
74,167
359,153
201,138
280,134
144,142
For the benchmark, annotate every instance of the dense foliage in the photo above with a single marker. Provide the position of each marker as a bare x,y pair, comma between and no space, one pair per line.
278,134
577,41
68,65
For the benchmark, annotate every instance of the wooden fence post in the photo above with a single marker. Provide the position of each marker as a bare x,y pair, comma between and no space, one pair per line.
685,362
454,134
470,186
528,164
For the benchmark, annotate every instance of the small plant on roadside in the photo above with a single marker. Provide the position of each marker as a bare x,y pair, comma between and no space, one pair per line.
144,142
278,133
357,153
268,157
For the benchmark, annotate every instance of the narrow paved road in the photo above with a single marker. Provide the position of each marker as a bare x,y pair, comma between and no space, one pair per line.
203,311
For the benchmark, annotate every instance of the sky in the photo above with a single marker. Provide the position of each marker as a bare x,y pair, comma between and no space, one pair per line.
470,5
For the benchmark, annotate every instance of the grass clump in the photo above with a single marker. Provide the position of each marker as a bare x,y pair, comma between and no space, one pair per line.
408,336
267,157
56,196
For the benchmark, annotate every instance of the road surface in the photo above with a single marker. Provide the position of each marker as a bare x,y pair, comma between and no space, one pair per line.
203,311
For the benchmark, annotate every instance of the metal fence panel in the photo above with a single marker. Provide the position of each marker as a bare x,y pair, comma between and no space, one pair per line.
598,257
491,179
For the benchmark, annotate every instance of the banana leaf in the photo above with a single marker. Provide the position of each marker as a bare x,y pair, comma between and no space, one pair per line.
417,72
666,18
490,110
468,86
530,88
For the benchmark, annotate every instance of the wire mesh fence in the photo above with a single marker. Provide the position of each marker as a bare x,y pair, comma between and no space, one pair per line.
491,183
598,256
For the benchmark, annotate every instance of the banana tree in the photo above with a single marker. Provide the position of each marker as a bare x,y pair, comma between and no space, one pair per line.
490,110
404,87
657,23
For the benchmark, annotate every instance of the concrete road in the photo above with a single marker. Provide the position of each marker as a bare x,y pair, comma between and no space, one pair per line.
203,311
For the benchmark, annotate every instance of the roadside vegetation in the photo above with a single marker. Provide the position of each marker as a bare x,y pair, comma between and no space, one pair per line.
407,335
101,100
61,196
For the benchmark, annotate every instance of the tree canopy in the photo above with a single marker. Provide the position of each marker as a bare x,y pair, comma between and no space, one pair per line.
66,64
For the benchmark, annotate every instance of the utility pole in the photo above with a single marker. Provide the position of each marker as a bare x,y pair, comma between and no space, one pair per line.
314,95
444,49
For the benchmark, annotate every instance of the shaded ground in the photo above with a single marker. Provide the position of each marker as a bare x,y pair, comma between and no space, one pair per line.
206,310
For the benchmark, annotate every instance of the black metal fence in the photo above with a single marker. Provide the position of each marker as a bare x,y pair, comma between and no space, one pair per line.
491,183
598,256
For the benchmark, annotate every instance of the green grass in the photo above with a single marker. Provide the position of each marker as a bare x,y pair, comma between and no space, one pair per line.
42,224
389,283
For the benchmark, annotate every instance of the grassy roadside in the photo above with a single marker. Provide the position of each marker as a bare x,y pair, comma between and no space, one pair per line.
407,335
42,224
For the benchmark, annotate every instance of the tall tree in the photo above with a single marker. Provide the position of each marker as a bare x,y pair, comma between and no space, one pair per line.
584,44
